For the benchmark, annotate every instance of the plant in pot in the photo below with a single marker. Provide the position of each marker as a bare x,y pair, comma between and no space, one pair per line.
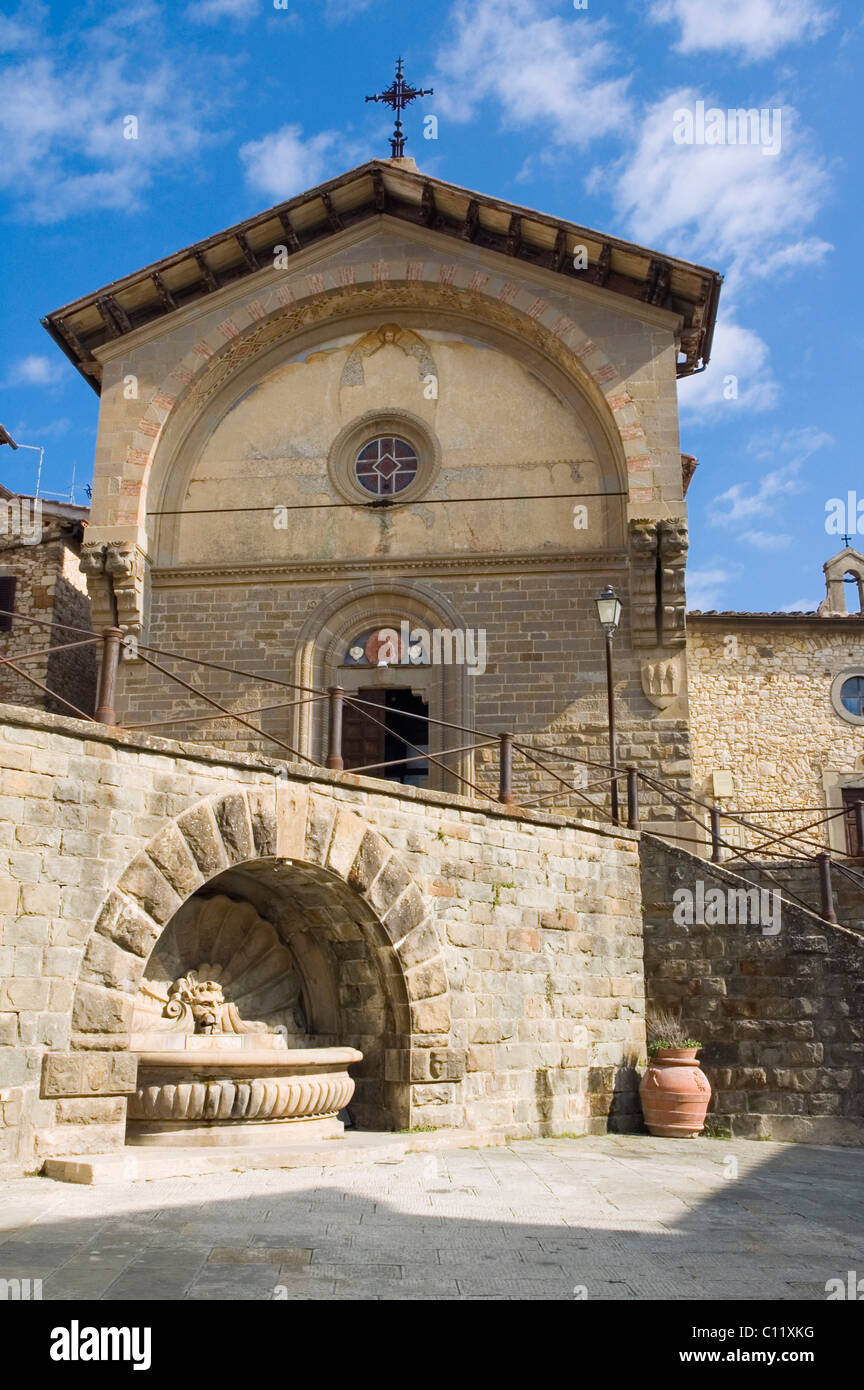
675,1091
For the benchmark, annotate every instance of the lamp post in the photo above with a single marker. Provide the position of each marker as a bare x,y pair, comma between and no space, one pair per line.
609,616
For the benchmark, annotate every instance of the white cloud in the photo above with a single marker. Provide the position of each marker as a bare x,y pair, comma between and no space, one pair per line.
740,501
728,203
798,444
753,29
212,11
808,254
768,540
704,587
337,10
540,71
63,112
738,378
801,605
730,206
13,35
23,433
35,370
284,163
744,501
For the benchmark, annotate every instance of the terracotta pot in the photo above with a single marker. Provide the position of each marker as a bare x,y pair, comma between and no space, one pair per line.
675,1093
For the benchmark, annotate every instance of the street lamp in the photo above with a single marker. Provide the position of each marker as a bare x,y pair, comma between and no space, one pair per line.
609,616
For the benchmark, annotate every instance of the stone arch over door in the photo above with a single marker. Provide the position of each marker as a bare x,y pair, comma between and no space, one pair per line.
384,603
357,899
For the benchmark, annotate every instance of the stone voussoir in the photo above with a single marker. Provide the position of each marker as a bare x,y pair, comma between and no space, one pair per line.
235,827
201,833
147,885
171,854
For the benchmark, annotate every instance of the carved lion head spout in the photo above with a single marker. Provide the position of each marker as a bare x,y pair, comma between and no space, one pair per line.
203,999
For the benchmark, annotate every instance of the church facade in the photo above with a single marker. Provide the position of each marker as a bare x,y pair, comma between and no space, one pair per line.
396,414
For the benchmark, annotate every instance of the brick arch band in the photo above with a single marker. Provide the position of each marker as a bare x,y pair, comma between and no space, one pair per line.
285,308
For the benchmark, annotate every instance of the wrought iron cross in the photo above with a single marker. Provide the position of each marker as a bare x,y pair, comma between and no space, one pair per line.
847,540
399,96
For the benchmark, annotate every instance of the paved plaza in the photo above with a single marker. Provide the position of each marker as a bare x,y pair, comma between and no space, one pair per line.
613,1217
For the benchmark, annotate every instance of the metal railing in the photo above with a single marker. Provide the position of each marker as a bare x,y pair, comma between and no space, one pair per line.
642,788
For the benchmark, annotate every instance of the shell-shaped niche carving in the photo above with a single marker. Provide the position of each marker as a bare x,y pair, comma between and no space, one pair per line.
226,944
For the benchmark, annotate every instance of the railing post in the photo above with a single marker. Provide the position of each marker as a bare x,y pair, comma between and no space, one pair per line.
334,736
825,887
859,825
613,735
505,769
632,799
111,639
715,835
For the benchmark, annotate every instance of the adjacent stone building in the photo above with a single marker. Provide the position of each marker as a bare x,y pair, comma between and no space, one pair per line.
777,711
43,594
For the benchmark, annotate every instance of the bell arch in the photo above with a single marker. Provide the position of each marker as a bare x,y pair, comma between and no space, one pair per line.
340,899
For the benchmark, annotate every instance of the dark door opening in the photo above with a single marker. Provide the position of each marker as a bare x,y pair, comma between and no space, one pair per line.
385,735
852,796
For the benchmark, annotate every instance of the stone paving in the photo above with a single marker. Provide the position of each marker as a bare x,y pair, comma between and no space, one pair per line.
612,1217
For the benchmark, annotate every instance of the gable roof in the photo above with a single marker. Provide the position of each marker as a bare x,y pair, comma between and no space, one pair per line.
394,188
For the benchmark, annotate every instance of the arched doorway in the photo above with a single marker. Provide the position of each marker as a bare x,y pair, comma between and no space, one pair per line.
326,656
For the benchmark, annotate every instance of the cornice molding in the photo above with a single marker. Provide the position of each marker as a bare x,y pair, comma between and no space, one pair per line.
184,576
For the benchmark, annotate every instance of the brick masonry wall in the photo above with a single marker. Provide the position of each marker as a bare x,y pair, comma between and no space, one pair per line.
52,589
545,678
510,943
781,1018
800,879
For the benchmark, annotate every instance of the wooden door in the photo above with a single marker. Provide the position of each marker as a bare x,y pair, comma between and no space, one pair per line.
363,741
851,797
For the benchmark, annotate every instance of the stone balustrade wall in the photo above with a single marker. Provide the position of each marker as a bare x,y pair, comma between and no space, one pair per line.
509,945
780,1016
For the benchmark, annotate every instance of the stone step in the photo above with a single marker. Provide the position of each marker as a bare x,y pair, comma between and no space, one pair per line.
139,1164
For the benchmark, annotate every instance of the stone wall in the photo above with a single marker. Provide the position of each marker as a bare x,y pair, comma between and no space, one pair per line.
545,677
508,945
799,879
50,588
761,711
780,1017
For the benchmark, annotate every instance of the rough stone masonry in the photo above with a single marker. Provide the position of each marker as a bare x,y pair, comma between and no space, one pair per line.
488,963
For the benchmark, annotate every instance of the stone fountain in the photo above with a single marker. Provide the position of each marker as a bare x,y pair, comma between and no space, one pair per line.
206,1076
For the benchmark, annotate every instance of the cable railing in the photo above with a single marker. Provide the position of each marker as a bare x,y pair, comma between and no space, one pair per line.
644,791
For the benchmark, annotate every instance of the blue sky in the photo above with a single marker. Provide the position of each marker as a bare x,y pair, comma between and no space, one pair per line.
565,107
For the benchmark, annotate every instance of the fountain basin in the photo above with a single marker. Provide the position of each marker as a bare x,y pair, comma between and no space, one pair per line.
238,1090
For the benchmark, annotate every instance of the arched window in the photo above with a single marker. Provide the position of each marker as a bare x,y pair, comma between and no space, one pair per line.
855,600
389,646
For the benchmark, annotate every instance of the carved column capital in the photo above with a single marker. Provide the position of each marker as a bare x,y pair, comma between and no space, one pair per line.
117,574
